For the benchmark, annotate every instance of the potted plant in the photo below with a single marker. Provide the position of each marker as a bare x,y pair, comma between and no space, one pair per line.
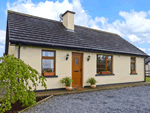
92,81
48,72
105,72
67,81
133,71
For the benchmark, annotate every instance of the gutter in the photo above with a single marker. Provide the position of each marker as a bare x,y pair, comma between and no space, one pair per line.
7,40
19,54
35,43
145,70
67,47
19,51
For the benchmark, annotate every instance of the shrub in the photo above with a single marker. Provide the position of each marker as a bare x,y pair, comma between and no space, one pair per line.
67,81
47,70
91,80
15,76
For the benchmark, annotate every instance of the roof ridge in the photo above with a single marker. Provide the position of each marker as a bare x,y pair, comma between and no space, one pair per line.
28,15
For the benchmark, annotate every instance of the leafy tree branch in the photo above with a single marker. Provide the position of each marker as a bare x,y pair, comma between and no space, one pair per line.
19,80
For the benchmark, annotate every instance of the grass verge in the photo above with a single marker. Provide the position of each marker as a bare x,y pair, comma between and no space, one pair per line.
148,79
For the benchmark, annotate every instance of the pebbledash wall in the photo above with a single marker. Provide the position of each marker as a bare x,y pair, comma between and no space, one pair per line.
121,66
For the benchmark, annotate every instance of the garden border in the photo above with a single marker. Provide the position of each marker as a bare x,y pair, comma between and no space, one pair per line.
36,103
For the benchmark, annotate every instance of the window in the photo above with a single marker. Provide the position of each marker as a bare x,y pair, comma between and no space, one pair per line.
133,68
48,63
76,61
104,63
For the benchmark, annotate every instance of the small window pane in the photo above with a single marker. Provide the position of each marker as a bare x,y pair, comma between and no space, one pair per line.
109,57
108,69
103,61
48,65
98,70
109,66
76,61
48,53
132,59
99,57
102,64
132,67
102,69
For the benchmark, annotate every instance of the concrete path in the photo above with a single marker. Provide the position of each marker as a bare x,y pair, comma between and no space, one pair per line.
99,88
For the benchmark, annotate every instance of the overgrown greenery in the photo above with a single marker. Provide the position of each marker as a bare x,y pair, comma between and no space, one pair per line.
19,80
148,79
91,80
67,81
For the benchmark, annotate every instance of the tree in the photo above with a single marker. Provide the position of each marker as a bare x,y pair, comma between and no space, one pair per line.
19,80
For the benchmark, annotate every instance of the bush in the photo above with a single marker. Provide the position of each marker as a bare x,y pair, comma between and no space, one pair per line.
91,81
15,76
67,81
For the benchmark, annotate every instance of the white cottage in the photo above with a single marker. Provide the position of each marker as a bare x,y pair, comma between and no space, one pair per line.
64,49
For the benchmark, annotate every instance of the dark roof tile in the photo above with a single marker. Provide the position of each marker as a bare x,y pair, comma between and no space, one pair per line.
30,28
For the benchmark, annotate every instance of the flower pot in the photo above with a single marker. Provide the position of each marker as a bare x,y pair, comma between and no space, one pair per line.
105,72
133,72
93,86
68,88
48,73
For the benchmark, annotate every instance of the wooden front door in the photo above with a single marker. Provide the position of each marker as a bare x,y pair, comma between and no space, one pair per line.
77,69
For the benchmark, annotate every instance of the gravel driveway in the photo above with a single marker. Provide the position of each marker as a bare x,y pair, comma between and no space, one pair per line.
125,100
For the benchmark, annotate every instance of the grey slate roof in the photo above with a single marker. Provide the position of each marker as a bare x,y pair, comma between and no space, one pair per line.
27,28
147,60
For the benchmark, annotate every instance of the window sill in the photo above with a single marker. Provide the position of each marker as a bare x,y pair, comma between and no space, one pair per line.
133,73
104,74
55,76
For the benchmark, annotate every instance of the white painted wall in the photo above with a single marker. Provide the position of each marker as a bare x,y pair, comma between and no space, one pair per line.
121,66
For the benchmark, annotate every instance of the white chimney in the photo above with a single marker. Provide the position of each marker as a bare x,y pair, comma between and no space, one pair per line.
68,20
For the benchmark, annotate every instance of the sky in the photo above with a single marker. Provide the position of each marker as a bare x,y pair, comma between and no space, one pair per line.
128,18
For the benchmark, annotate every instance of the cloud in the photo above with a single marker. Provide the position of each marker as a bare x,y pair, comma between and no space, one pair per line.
134,26
134,38
2,37
47,9
143,49
51,10
149,49
1,49
2,40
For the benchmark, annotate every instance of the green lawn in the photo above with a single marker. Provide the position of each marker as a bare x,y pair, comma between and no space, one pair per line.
147,78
